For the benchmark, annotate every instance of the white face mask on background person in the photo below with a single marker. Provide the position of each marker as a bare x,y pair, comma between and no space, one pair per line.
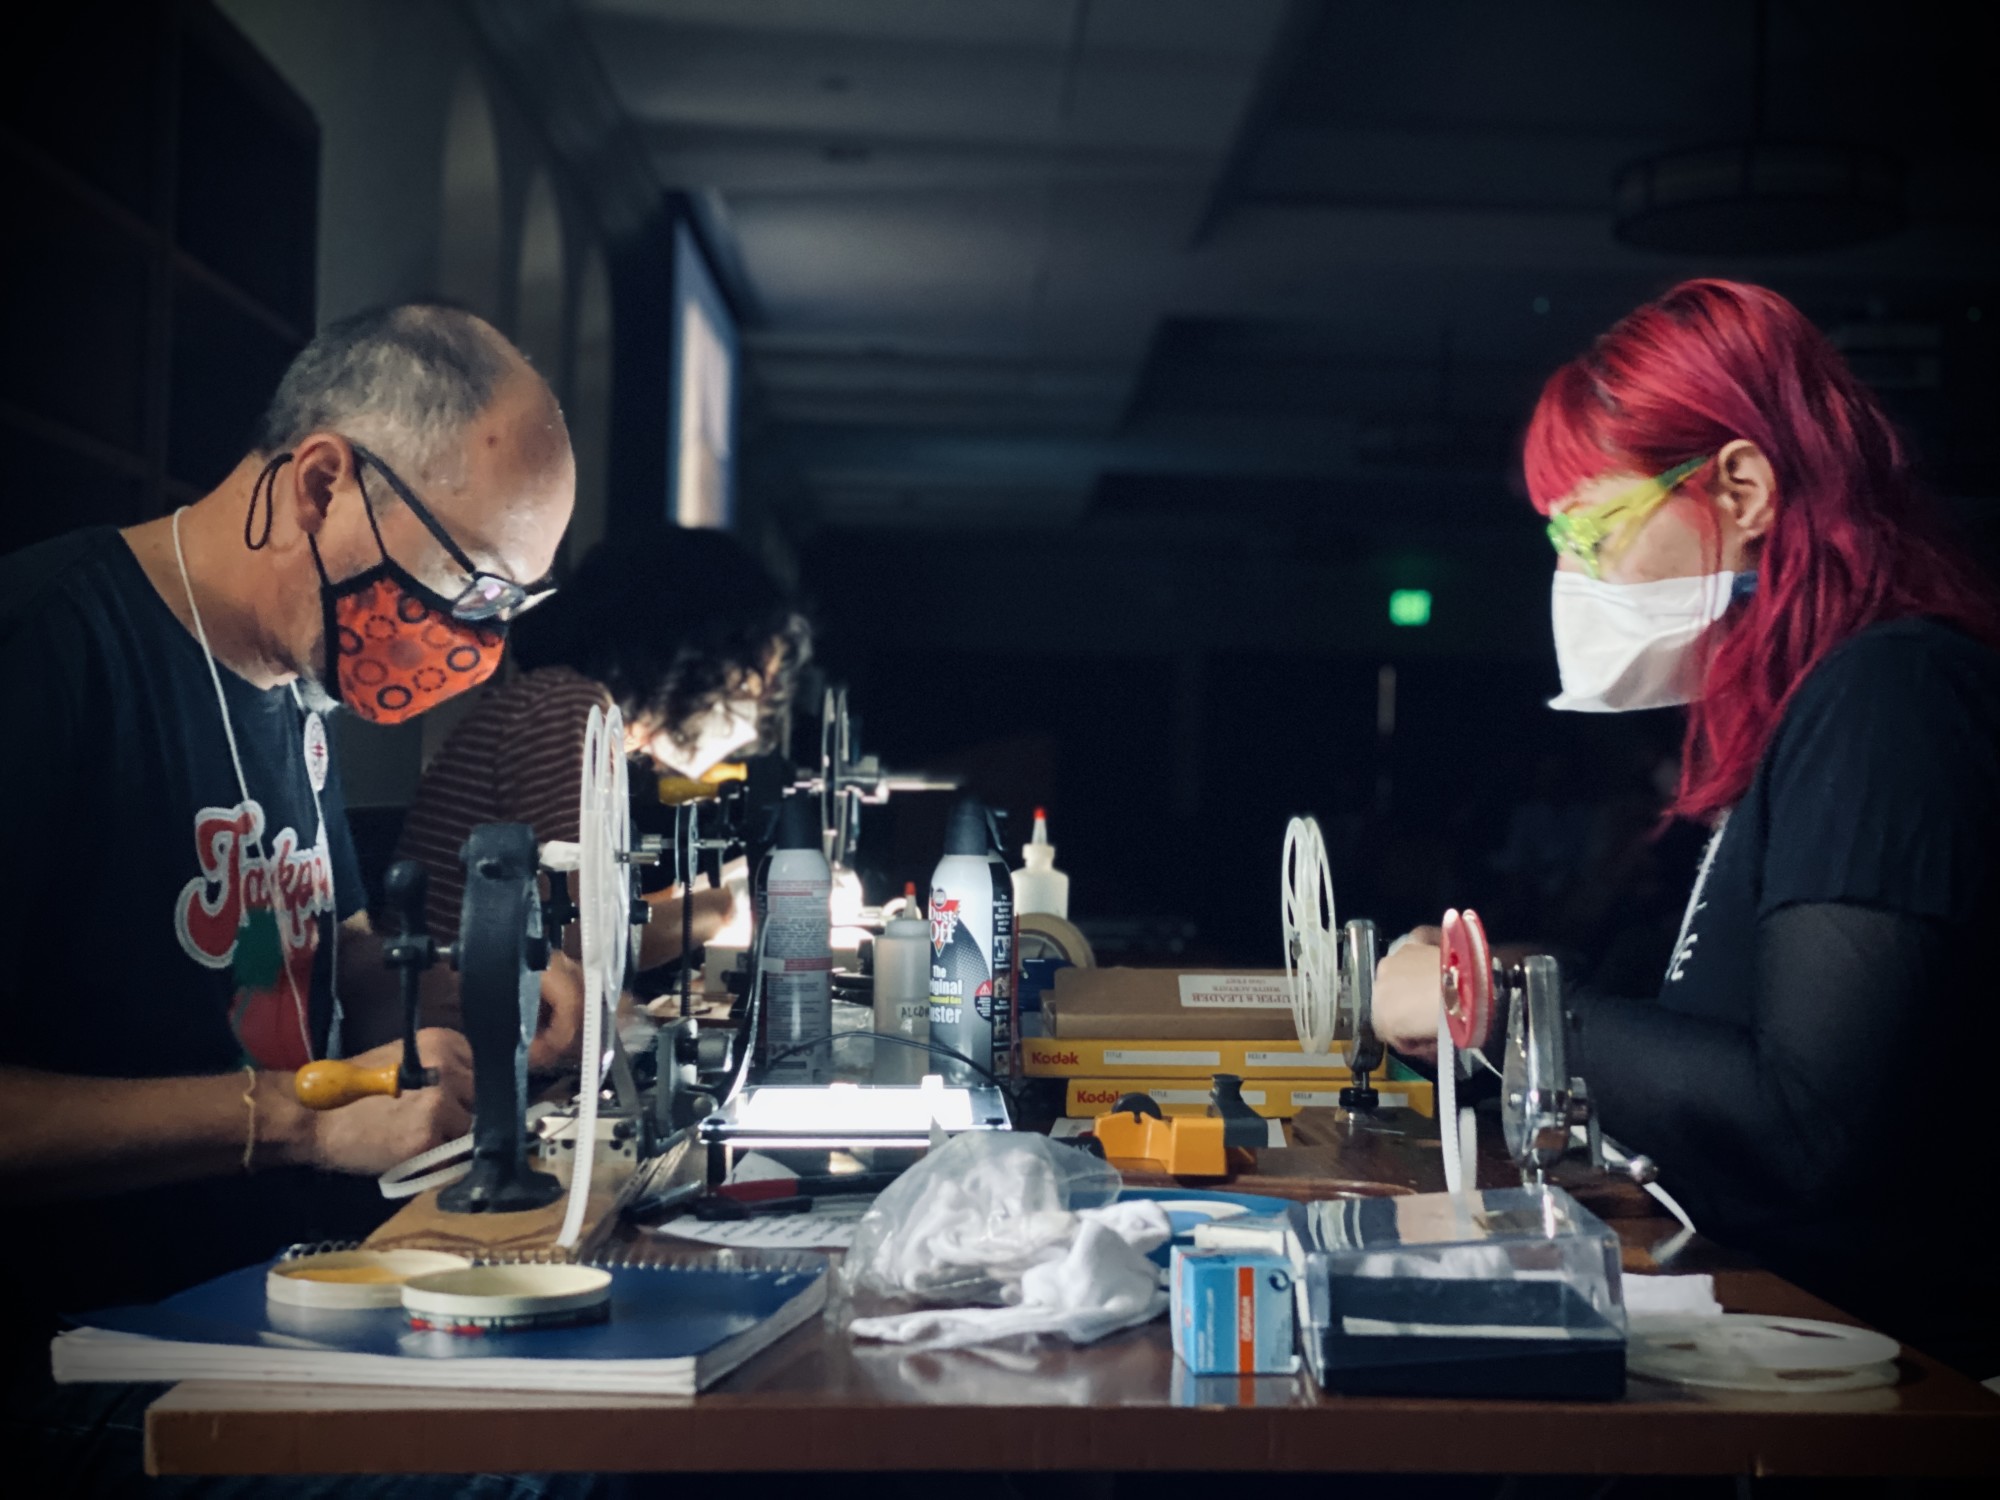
1622,646
718,735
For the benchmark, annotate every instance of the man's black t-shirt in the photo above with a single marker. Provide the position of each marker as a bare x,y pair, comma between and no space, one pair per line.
136,881
1806,1079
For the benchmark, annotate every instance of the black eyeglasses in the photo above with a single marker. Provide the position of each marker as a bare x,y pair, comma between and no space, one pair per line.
487,596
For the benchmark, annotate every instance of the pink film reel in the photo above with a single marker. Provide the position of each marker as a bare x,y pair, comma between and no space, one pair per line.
1465,967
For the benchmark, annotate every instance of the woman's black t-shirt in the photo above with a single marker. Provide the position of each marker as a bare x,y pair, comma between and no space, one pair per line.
1808,1079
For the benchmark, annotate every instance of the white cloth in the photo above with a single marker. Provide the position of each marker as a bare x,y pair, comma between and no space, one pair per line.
1674,1296
1084,1279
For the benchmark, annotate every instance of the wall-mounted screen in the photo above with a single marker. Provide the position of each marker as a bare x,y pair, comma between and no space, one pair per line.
704,393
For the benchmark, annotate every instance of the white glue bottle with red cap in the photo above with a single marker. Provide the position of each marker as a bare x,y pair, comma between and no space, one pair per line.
1038,884
798,948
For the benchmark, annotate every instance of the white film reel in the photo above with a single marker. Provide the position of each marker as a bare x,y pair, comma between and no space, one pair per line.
603,902
1753,1352
1314,981
1312,946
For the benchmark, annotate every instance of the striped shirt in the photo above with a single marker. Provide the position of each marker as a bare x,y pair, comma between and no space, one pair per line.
516,758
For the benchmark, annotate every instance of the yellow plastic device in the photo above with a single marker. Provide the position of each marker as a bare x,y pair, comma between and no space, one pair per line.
1187,1146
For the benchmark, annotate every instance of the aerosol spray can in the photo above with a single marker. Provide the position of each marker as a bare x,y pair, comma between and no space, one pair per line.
1006,954
962,945
903,994
798,947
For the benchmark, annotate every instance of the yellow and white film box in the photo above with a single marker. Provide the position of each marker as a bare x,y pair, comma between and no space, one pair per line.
1273,1098
1169,1057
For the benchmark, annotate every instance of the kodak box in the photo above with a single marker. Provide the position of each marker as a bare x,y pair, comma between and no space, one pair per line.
1249,1005
1170,1057
1273,1098
1232,1312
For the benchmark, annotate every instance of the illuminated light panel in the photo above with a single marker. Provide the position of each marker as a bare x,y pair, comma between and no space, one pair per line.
845,1107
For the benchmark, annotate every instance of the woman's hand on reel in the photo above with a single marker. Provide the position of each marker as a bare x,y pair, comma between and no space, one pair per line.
1406,994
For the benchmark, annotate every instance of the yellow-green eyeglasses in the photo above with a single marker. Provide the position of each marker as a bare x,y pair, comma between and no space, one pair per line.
1582,534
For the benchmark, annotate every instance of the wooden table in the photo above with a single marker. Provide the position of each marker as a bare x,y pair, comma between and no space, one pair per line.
817,1401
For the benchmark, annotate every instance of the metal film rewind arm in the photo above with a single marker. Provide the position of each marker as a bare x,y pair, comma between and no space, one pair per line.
501,951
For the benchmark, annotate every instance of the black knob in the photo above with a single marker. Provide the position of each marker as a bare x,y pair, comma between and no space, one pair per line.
687,1044
410,947
558,911
404,891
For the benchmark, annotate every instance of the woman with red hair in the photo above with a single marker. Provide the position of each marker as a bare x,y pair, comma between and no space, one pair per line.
1737,529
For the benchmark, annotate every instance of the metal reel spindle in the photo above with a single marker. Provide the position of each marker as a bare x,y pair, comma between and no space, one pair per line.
1357,1013
1535,1081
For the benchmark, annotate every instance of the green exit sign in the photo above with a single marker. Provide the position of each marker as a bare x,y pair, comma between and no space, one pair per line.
1410,607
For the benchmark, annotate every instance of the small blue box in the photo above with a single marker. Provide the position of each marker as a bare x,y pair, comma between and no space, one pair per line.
1232,1312
1037,975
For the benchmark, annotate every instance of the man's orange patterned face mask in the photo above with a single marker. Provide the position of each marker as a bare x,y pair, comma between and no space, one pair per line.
397,651
394,647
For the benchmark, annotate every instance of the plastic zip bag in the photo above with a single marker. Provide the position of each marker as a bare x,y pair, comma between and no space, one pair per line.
967,1222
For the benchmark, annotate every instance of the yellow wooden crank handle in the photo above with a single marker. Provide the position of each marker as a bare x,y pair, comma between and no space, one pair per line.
330,1083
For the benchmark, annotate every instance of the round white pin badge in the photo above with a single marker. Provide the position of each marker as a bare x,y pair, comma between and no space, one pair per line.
318,758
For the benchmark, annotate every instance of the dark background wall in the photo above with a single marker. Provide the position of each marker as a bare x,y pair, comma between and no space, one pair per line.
1107,362
162,186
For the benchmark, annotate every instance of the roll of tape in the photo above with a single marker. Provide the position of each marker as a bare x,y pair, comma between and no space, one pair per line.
1042,935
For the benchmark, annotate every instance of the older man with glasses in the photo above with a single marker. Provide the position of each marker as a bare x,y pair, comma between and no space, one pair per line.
181,881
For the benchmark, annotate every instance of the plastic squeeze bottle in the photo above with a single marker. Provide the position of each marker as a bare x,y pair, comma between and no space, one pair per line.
798,947
1038,884
903,994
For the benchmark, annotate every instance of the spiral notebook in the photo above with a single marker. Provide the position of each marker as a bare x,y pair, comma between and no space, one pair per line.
673,1329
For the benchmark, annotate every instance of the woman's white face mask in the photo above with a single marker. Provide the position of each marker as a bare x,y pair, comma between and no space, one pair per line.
717,736
1625,646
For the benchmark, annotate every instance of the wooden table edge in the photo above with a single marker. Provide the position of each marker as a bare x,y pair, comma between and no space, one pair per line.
215,1428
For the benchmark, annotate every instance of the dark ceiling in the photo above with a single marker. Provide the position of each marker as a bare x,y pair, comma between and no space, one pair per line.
1111,362
1004,258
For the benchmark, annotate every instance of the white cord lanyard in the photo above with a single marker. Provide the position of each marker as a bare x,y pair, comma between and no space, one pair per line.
322,851
1682,947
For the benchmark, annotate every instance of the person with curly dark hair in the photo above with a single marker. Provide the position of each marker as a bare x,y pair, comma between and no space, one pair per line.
693,642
